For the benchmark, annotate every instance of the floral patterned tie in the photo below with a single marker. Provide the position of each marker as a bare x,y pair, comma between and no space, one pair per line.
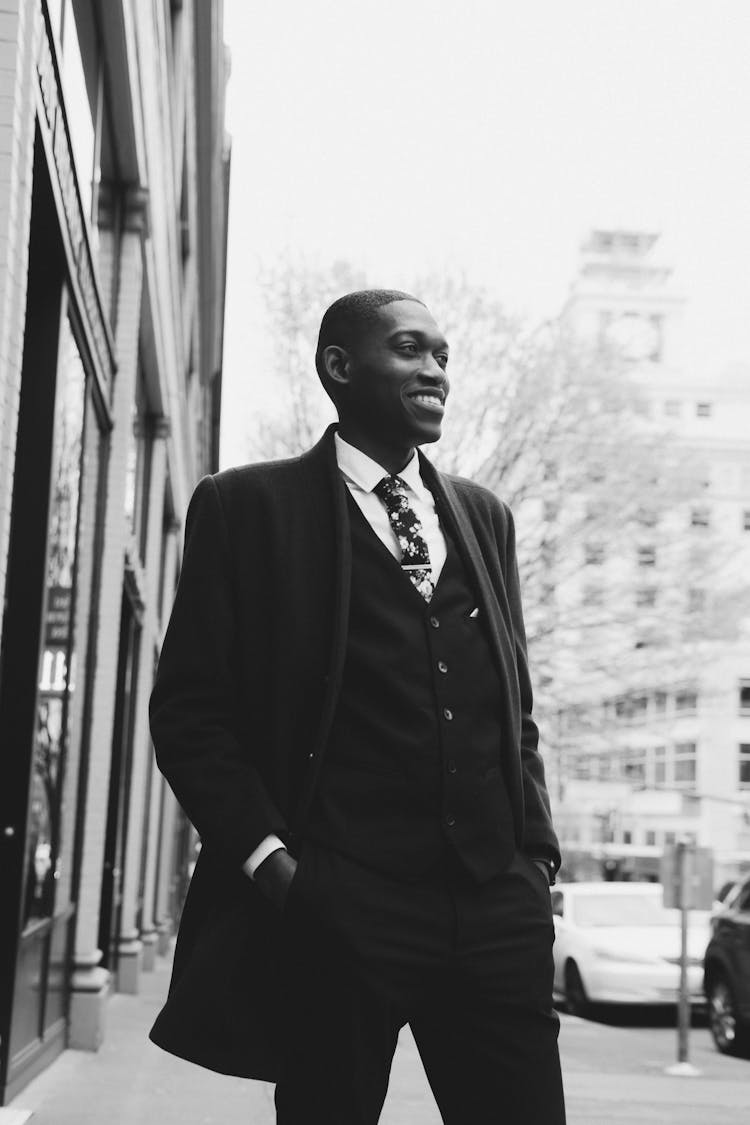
415,557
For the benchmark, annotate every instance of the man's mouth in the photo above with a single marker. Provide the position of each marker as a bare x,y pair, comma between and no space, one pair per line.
429,400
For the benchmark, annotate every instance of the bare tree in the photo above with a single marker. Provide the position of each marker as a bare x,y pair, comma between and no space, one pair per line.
296,295
560,430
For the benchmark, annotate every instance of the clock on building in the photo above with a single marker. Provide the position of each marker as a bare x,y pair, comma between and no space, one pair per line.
636,336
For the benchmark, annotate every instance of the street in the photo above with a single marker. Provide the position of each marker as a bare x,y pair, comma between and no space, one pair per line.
613,1068
614,1072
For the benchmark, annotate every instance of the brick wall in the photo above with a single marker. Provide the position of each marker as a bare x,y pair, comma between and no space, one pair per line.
18,29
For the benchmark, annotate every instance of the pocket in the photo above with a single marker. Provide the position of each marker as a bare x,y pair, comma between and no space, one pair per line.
533,874
297,880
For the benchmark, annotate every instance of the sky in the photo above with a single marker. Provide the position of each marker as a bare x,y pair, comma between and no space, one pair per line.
485,137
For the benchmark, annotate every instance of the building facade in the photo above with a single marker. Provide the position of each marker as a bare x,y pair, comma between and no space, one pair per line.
654,743
114,172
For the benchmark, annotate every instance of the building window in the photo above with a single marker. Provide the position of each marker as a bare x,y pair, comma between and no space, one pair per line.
686,701
657,332
700,517
746,520
634,766
684,764
639,705
646,517
594,554
660,766
650,838
82,91
744,777
660,702
672,408
645,597
703,409
744,697
646,556
595,510
622,708
627,836
631,707
138,467
696,600
582,767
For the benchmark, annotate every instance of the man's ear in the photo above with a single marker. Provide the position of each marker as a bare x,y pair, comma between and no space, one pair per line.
337,365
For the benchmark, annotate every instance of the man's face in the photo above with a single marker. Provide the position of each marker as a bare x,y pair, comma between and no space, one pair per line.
397,382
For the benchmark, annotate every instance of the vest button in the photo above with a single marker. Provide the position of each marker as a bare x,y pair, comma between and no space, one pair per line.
442,666
447,714
451,766
450,820
435,622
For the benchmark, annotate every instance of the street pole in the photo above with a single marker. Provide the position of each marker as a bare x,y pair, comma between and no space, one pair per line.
683,1007
683,871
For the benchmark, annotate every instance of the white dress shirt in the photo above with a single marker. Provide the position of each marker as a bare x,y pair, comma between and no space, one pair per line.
361,474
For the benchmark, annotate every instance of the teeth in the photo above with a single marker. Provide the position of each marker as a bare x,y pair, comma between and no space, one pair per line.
428,398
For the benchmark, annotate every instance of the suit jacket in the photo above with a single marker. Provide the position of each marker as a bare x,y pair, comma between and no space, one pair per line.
245,695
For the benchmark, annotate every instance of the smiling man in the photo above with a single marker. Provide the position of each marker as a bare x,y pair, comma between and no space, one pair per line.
343,708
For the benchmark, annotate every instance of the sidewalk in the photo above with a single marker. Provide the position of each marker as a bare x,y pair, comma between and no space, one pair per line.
131,1082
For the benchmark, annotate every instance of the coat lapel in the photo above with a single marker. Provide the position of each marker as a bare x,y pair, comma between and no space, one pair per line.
326,490
452,510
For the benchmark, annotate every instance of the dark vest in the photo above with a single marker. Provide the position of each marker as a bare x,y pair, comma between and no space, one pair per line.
412,770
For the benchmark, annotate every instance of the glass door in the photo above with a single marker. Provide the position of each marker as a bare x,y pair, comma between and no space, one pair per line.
119,781
40,711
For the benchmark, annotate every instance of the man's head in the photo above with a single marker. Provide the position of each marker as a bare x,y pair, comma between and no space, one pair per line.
382,359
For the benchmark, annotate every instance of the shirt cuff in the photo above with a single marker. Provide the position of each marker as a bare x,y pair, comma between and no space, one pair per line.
265,848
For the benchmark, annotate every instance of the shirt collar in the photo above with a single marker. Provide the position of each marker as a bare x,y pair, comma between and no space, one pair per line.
364,473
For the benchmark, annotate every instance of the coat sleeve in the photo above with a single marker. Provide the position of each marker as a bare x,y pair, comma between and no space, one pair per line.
194,704
539,835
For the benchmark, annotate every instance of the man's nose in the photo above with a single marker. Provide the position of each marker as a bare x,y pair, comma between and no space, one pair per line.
431,369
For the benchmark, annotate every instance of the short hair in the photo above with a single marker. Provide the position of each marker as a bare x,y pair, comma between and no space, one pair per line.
345,320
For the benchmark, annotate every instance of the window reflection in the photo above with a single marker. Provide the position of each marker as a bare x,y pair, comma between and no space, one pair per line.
79,108
57,667
137,469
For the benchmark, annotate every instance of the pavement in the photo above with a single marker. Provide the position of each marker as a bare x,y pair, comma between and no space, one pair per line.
614,1075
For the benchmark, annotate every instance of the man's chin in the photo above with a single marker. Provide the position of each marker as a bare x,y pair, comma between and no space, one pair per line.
428,435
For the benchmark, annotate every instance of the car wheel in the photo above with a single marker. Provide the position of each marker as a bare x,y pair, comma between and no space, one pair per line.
730,1037
576,1000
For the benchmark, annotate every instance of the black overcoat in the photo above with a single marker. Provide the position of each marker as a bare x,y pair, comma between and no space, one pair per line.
245,693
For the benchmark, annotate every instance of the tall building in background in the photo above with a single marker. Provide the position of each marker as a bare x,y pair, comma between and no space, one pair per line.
114,172
654,739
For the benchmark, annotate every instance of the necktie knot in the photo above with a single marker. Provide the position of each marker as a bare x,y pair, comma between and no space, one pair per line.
407,527
392,491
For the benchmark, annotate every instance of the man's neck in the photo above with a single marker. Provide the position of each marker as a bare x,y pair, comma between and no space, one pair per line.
393,460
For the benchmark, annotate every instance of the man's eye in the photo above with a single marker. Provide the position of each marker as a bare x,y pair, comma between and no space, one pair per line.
411,348
442,359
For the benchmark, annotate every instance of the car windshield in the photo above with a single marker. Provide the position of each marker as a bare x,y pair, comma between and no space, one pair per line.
621,910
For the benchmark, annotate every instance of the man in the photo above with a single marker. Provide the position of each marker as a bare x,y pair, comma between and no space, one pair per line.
343,708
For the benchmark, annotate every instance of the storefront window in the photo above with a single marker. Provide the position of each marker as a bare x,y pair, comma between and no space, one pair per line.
80,106
55,9
57,678
138,466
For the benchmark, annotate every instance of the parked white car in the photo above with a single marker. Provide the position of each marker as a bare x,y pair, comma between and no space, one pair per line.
616,943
